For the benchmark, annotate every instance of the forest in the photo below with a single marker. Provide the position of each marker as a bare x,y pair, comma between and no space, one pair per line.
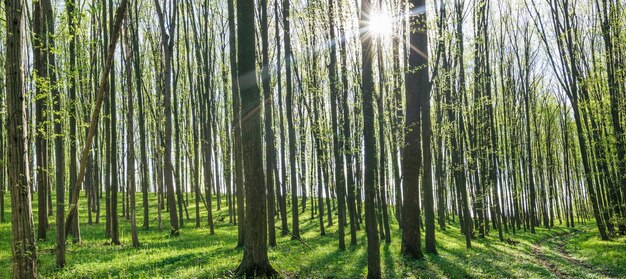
313,139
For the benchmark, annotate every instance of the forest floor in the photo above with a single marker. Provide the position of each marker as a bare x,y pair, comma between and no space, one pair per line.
550,253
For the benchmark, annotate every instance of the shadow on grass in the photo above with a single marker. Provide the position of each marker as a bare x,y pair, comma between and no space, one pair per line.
390,265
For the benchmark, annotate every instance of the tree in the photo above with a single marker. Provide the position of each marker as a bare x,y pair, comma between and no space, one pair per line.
367,87
458,145
168,40
113,163
423,96
347,136
72,24
145,178
293,178
340,180
40,44
270,152
255,260
237,152
23,248
416,79
3,163
130,136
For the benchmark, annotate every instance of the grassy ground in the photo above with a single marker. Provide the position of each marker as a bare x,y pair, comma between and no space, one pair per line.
559,252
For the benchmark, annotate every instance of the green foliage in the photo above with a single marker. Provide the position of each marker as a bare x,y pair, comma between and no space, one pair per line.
195,253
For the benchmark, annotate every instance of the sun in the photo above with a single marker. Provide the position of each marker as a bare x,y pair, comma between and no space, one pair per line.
380,24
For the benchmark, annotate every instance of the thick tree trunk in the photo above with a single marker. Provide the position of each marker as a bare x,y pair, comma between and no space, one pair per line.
23,247
415,79
255,260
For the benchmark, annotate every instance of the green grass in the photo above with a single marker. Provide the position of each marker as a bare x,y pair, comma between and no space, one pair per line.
195,253
610,256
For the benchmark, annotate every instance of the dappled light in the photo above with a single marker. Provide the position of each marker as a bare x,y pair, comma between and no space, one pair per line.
312,139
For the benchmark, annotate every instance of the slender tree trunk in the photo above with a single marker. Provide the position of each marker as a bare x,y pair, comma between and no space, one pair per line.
347,137
337,141
113,166
3,164
282,202
237,123
168,39
72,23
130,138
367,85
145,177
270,152
293,179
423,96
41,143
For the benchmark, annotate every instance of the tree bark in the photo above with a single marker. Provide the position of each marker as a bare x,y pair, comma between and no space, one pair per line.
255,259
72,18
367,86
130,138
293,177
168,39
23,246
41,143
416,78
270,152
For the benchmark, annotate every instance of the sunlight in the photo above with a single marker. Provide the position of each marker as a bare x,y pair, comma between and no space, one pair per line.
380,24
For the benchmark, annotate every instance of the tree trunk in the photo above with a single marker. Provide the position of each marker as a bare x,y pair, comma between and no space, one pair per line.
23,246
168,39
337,141
415,79
113,166
270,152
130,138
255,259
41,143
237,152
282,201
145,177
293,178
72,18
347,137
373,249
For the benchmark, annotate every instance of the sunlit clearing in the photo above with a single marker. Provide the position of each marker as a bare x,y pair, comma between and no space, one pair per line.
380,24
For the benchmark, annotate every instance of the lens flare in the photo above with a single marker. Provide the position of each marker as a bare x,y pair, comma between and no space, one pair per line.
380,24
